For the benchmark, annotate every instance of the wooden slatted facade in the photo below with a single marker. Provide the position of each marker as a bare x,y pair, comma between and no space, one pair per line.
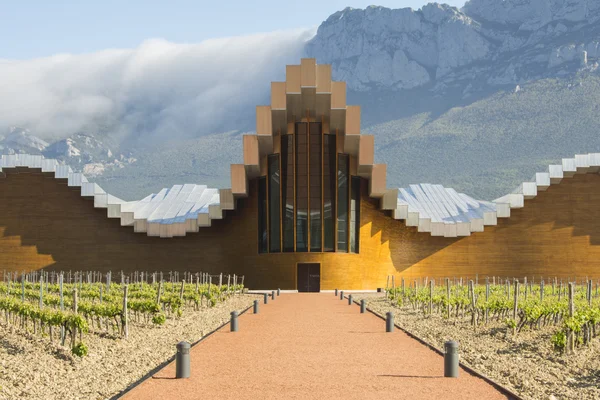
46,224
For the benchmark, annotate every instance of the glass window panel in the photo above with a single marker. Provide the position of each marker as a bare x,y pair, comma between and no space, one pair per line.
274,205
315,181
342,204
329,186
301,187
262,215
355,214
287,182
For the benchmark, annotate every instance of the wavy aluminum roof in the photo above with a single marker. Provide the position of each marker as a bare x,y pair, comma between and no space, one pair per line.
444,212
185,208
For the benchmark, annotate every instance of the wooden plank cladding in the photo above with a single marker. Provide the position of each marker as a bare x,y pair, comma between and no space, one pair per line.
239,180
251,155
303,171
292,79
278,97
556,234
324,78
308,72
338,95
264,120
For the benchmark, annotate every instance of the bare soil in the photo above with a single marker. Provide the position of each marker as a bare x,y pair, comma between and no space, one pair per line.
526,363
34,368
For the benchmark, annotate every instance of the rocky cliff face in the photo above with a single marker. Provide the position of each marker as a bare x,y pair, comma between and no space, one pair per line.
83,152
489,41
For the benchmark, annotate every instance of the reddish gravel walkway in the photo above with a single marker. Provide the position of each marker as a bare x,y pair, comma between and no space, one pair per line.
312,346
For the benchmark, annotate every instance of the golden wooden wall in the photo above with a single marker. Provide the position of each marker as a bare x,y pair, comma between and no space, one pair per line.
44,223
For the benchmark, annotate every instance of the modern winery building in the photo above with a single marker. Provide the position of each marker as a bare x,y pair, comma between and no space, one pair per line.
308,209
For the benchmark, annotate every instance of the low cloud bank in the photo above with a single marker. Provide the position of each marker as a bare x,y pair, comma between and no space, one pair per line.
158,91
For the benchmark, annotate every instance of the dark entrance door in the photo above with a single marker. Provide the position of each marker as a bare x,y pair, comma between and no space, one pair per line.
309,277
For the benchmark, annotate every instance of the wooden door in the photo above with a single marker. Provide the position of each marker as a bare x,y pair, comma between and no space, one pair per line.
309,277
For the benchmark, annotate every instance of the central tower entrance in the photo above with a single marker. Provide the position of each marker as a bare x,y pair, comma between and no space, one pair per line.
309,277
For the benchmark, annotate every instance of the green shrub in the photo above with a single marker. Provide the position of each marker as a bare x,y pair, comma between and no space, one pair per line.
80,350
159,319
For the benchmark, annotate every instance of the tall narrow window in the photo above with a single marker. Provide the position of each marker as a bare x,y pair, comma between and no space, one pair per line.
342,202
274,205
287,192
262,215
301,187
329,184
354,214
315,181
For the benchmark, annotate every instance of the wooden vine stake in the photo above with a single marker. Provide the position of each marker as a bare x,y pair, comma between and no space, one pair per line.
159,292
74,328
448,297
515,306
403,290
473,308
487,298
125,313
571,314
431,297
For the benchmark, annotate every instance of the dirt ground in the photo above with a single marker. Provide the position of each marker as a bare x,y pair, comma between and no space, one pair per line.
34,368
526,364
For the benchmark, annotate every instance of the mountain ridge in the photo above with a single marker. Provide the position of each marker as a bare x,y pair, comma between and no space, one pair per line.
444,90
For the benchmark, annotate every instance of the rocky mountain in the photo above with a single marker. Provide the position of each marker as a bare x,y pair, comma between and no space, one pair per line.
486,43
86,153
83,152
19,140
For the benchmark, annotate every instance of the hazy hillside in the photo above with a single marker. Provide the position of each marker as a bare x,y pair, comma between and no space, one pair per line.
205,160
484,148
487,148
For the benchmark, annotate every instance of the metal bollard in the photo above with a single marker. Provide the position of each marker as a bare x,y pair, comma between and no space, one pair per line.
278,291
234,321
363,306
255,306
451,359
389,322
342,295
273,295
350,300
182,360
266,298
336,293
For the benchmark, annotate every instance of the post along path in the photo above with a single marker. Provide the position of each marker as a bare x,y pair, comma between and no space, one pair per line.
312,346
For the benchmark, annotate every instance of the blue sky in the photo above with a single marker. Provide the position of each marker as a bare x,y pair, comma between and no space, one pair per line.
40,28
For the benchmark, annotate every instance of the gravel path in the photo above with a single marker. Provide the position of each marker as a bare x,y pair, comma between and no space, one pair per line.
34,368
526,364
312,346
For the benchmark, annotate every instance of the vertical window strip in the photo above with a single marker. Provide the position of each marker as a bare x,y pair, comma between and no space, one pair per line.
329,189
287,199
262,215
343,202
355,214
274,204
315,182
301,187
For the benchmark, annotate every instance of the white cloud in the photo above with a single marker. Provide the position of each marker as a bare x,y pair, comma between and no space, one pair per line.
158,90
